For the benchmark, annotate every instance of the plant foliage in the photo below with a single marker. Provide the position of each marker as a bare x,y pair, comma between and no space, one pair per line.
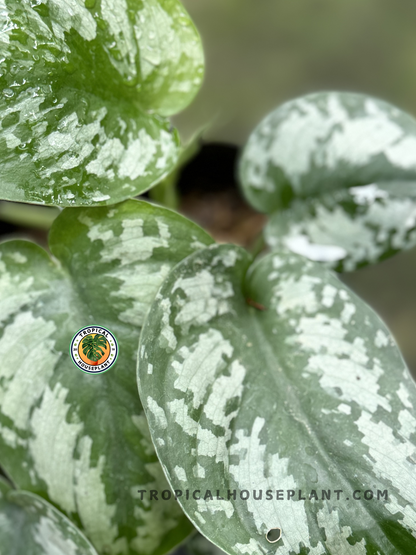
337,174
94,347
82,441
86,88
304,391
260,377
31,525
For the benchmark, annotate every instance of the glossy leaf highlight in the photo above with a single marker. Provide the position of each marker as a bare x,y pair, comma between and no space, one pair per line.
86,88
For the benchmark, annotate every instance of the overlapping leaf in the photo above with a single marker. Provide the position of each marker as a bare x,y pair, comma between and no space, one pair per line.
82,440
278,378
337,173
86,86
30,525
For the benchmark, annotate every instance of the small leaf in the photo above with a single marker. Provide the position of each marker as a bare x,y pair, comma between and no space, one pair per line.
85,92
80,440
32,526
309,394
337,173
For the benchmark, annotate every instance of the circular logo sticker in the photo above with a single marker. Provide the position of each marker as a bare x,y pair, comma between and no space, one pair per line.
94,349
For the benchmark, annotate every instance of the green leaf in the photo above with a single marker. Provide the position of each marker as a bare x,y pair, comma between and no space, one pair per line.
94,347
31,525
337,173
86,88
82,440
279,378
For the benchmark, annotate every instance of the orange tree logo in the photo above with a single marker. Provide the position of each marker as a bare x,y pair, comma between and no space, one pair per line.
94,349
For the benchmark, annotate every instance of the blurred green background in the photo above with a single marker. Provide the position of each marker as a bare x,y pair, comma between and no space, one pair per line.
260,53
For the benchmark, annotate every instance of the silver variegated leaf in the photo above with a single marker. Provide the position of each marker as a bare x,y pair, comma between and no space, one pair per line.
279,379
86,86
30,525
337,173
81,440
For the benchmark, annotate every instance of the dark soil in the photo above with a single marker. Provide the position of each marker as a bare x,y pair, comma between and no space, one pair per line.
210,196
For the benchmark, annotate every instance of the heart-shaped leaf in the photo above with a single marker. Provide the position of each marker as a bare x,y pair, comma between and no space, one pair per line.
82,440
30,525
85,88
281,387
337,173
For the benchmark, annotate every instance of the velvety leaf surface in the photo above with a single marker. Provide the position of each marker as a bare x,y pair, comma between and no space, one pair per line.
85,88
337,173
30,525
279,378
82,440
